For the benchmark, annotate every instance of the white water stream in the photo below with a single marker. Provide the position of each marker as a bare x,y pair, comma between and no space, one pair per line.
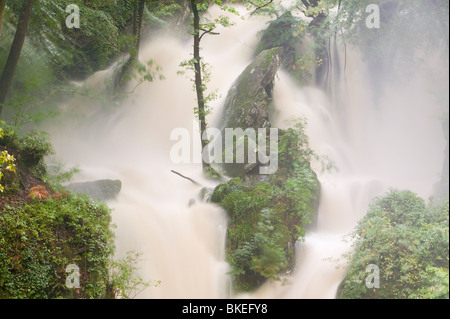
398,145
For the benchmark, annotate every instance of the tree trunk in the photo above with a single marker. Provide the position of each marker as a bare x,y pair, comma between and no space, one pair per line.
138,15
198,79
138,28
14,53
2,13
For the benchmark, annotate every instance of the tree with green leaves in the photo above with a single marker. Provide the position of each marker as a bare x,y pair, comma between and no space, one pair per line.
14,53
319,28
407,240
202,27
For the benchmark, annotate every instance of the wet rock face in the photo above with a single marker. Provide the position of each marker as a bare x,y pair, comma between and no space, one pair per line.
249,102
98,190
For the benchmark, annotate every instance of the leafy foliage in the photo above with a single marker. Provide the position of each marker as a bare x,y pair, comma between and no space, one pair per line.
6,162
280,33
44,231
266,219
39,239
31,147
124,280
408,241
208,97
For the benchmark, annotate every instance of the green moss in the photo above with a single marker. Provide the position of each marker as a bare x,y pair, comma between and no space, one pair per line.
250,91
268,217
39,239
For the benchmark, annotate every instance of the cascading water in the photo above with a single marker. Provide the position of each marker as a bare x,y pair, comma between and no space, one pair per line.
396,143
182,245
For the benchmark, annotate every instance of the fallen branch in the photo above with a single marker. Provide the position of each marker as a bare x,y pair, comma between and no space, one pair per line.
189,179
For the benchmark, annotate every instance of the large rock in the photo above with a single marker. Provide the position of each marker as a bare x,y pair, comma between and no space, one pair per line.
98,190
267,213
249,99
249,102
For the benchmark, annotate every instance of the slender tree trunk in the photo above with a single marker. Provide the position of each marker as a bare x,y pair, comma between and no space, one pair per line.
138,27
138,16
2,13
14,53
198,79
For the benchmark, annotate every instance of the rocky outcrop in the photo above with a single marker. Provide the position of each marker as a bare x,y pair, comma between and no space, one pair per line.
267,212
249,99
249,102
98,190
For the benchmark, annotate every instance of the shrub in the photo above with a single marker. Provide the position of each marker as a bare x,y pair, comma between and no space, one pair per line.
408,240
39,239
30,149
38,192
6,162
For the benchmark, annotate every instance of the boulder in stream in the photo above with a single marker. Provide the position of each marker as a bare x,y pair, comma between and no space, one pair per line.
98,190
249,102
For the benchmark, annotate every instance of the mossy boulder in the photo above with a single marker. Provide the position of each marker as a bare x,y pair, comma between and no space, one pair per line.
41,237
268,213
248,104
248,101
267,217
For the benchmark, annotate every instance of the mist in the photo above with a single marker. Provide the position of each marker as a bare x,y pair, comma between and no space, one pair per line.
380,126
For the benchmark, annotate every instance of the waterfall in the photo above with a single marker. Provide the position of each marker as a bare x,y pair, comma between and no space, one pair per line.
395,143
398,144
157,213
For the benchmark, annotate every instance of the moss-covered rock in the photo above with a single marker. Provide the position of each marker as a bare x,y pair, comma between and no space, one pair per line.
40,238
268,213
42,231
248,101
268,217
248,104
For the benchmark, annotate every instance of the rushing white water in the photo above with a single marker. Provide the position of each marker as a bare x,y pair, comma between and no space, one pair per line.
182,245
399,145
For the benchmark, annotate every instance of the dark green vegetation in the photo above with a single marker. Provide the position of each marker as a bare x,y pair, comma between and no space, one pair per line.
42,231
54,54
268,217
43,228
40,239
288,32
408,240
268,213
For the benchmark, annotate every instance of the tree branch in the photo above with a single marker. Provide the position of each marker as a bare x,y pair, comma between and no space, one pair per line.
259,7
210,31
306,3
189,179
